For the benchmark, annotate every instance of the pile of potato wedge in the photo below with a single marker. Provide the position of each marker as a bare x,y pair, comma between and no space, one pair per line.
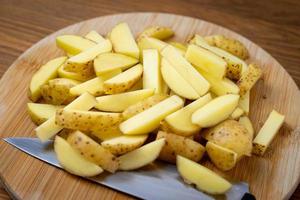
102,100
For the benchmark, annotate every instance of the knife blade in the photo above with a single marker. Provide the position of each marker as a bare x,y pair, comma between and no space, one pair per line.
164,179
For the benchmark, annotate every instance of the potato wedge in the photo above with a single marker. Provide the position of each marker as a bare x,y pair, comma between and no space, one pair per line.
73,44
47,72
179,145
215,111
148,120
86,120
48,129
237,113
225,159
107,133
180,46
180,121
245,121
93,86
63,73
141,156
249,78
124,144
151,43
108,62
143,105
123,81
72,161
244,102
204,179
94,36
159,32
57,91
93,151
267,133
120,102
123,40
40,113
137,86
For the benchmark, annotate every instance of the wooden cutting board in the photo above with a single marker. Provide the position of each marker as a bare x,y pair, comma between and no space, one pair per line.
274,176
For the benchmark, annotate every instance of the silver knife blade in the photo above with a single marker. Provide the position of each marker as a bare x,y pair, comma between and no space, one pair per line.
162,183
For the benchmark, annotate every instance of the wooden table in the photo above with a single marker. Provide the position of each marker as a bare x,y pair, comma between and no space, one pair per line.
274,26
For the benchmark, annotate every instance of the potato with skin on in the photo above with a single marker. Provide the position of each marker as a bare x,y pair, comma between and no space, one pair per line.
93,151
40,113
151,43
123,41
215,111
120,102
237,113
249,78
124,143
179,145
143,105
246,122
72,161
159,32
142,156
107,133
204,179
94,36
73,44
223,158
137,86
57,91
244,102
63,73
46,72
123,81
181,46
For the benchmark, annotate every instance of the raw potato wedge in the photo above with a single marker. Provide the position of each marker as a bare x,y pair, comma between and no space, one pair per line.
151,43
180,121
93,151
232,135
159,32
123,40
148,120
120,102
47,72
141,156
215,111
93,86
245,121
207,61
249,78
137,86
107,133
57,91
72,161
124,144
48,129
143,105
123,81
179,145
40,113
73,44
204,179
231,45
267,133
186,70
237,113
180,46
108,62
225,159
94,36
244,102
176,82
63,73
86,120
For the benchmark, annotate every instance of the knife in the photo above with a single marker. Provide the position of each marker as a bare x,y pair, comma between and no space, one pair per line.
139,183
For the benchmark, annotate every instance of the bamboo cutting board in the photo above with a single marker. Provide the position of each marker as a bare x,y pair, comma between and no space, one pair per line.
274,176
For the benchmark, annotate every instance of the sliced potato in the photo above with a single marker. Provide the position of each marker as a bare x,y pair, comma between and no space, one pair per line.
123,81
57,91
180,46
204,179
93,86
120,102
123,40
148,120
124,144
43,75
108,62
151,43
72,161
267,133
40,113
249,78
180,121
73,44
94,36
141,156
179,145
143,105
237,113
244,102
93,151
63,73
107,133
137,86
245,121
215,111
225,159
159,32
86,120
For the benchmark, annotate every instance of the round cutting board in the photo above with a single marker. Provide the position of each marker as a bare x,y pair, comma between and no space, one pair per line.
274,176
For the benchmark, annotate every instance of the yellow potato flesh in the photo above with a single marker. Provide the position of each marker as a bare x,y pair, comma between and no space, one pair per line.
158,32
237,113
39,113
94,36
93,86
63,73
108,133
73,44
244,102
151,43
245,121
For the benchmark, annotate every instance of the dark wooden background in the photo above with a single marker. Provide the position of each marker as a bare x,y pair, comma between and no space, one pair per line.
272,24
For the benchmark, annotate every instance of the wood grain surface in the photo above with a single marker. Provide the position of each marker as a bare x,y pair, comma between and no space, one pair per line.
273,26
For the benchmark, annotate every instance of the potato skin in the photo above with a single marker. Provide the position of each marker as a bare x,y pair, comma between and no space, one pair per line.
179,145
249,78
